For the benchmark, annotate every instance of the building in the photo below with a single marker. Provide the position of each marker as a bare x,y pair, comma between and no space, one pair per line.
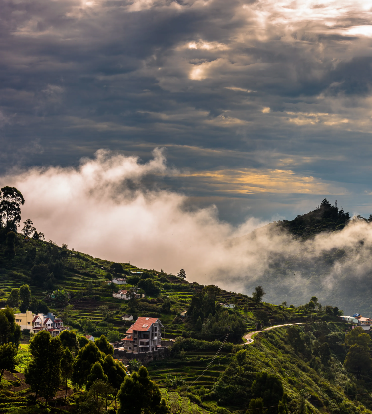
119,281
90,337
126,295
40,322
24,320
358,320
127,317
144,335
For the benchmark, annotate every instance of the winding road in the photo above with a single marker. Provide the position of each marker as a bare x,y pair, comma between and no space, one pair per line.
249,335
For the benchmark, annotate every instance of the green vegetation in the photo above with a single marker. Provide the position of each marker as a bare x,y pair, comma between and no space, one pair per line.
314,367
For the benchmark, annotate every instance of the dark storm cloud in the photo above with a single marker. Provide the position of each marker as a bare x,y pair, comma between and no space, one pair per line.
256,87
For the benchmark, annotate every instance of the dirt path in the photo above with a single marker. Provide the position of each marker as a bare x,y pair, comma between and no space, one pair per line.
249,335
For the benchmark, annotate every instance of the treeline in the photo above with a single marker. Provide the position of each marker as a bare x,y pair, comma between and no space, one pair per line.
99,380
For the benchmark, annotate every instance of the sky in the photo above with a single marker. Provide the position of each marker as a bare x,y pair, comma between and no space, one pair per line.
232,113
263,107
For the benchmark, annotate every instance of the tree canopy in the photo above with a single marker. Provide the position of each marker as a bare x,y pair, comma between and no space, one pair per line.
11,200
139,394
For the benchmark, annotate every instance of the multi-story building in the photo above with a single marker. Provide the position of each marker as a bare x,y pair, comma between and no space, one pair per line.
144,335
24,320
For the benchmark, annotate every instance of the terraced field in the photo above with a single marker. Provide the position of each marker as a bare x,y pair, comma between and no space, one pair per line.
189,368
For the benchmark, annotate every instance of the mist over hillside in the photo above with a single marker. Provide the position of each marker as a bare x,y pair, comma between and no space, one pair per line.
111,207
322,253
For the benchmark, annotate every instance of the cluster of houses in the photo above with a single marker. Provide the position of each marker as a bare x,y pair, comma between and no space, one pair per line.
40,322
358,320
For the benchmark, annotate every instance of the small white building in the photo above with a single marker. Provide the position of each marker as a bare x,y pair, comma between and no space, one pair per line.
126,295
127,317
119,281
228,305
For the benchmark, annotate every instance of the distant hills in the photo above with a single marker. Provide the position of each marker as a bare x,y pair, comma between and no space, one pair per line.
326,254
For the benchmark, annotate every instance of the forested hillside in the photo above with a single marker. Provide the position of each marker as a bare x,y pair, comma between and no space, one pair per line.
314,364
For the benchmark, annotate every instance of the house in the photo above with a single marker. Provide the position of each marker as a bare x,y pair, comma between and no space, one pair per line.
126,295
358,320
119,281
90,337
144,335
24,320
228,305
127,317
40,322
122,294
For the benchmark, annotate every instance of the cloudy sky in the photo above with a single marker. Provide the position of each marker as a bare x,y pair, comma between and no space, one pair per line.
262,108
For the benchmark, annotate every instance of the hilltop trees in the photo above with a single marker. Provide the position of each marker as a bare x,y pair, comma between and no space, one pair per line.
258,294
11,200
28,228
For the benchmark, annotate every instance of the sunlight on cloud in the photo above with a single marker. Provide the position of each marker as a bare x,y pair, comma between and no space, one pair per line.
253,181
299,118
207,45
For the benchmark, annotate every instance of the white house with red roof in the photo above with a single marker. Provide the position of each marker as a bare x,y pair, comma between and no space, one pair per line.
144,335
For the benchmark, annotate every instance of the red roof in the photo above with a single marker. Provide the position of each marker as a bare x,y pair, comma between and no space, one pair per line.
37,316
142,324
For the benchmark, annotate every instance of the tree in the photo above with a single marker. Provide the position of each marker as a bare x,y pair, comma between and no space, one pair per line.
102,389
67,363
25,297
256,406
82,341
86,358
139,394
9,330
358,336
117,268
258,294
8,353
104,345
166,306
11,238
11,200
69,340
270,389
134,365
43,373
96,373
40,274
28,228
182,274
113,336
114,370
149,286
13,298
358,359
